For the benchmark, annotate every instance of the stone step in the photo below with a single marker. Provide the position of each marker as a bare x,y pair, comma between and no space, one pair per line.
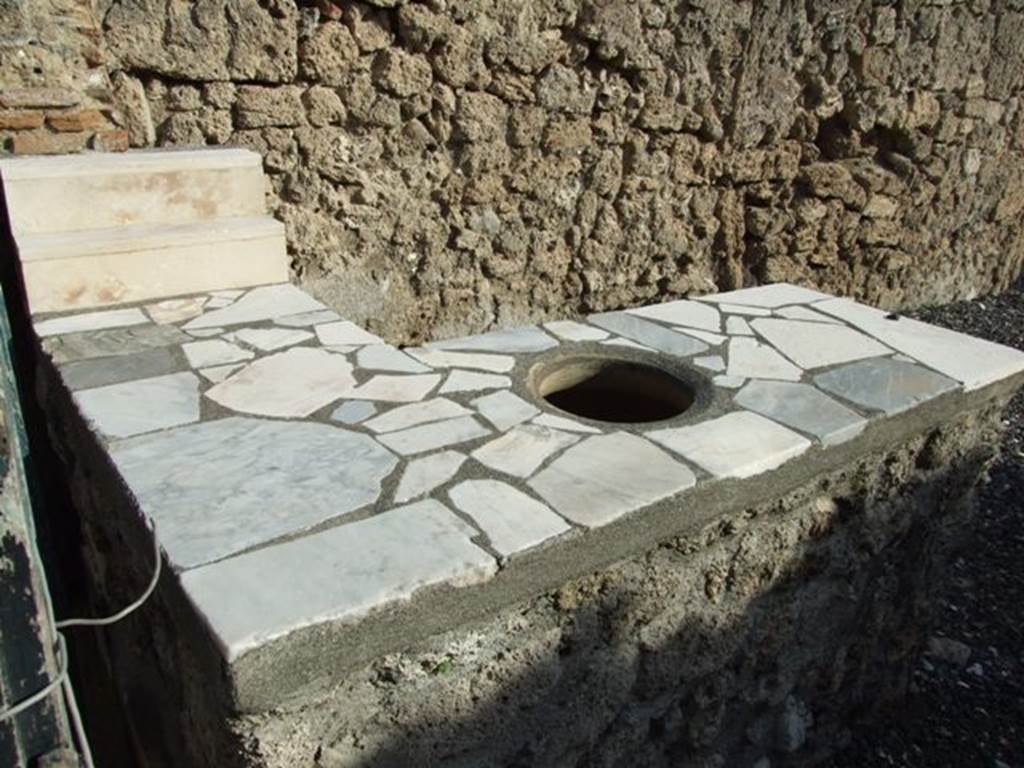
92,268
102,190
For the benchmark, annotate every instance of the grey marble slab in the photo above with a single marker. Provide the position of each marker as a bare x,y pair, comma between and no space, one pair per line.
524,339
262,303
802,407
884,384
85,374
112,343
649,334
142,405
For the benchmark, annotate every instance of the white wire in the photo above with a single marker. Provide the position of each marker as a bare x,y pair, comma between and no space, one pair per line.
127,609
61,680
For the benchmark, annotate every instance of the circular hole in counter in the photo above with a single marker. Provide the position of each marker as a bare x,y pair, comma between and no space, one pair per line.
612,390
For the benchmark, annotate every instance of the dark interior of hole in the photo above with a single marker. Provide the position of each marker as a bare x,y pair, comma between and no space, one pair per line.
624,393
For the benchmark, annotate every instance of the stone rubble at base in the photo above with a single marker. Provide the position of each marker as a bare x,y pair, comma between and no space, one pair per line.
302,420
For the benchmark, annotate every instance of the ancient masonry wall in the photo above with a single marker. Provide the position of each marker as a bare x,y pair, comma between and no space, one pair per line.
446,166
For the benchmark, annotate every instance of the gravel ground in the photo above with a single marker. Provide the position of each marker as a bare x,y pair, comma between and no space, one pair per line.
966,704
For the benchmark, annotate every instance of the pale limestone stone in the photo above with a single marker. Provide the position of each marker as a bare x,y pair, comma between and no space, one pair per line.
437,409
176,310
388,388
802,407
201,354
570,330
522,450
382,357
76,270
524,339
353,412
512,520
814,345
607,476
347,572
289,384
971,361
344,332
691,314
884,384
437,434
749,359
438,358
423,475
504,409
739,444
144,405
150,186
259,304
768,296
649,334
90,321
567,425
470,381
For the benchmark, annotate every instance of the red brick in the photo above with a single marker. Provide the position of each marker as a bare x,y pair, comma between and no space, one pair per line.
46,143
20,120
76,120
110,141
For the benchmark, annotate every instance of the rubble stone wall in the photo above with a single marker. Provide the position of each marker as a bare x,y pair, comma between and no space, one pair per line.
448,165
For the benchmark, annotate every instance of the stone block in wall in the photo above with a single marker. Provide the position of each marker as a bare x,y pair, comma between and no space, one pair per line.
401,73
260,106
72,121
370,27
46,143
21,119
130,98
328,55
38,98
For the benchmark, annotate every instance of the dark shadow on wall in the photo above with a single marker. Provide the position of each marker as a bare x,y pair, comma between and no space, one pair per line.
760,639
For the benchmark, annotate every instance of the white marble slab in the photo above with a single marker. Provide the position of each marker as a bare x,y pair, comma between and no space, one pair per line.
649,334
201,354
222,486
570,330
406,416
504,410
798,312
176,310
344,332
714,339
143,405
884,384
261,303
307,319
737,326
616,341
606,476
727,381
439,358
218,373
90,321
816,345
739,309
802,407
769,296
567,425
470,381
271,339
353,412
437,434
739,444
205,333
218,303
346,572
971,361
691,314
228,293
750,359
513,521
424,474
521,450
383,357
289,384
396,388
710,362
527,338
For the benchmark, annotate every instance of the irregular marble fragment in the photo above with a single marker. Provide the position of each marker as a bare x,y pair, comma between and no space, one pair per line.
884,384
814,345
521,450
504,409
426,473
570,330
89,321
525,339
261,303
437,434
801,406
144,405
512,520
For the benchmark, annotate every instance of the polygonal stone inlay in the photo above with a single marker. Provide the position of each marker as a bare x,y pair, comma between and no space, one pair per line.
259,304
219,487
649,334
424,474
888,385
512,520
813,345
143,405
802,407
524,339
521,450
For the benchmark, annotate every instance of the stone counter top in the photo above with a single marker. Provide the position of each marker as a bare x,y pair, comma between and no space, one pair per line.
307,478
